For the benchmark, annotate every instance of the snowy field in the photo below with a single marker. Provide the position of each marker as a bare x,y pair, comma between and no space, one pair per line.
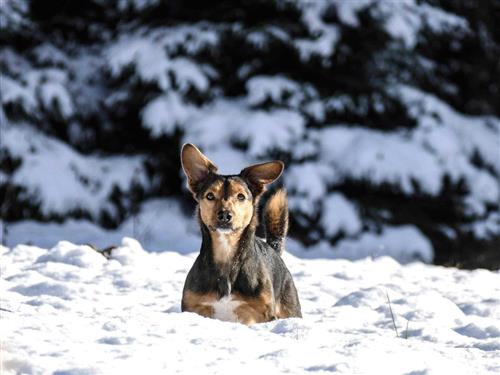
69,310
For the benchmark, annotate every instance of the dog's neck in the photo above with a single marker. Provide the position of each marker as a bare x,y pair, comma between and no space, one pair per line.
226,250
224,246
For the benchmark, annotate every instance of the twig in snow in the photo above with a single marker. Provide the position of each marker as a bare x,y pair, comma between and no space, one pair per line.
406,332
392,315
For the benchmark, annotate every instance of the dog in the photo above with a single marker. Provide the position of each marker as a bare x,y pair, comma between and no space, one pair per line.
238,276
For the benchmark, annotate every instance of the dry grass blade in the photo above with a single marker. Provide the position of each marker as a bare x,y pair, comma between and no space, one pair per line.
392,315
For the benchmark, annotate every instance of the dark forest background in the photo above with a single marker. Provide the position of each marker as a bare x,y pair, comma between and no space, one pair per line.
98,96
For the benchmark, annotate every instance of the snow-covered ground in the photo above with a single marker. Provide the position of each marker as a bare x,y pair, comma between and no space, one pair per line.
69,310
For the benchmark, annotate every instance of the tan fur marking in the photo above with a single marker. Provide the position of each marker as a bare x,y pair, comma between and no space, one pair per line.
285,308
274,211
282,313
256,309
199,303
249,310
224,246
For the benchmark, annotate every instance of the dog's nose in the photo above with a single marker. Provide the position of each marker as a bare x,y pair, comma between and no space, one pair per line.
224,216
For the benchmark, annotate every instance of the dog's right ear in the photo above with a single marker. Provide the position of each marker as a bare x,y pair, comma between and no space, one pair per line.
196,166
258,176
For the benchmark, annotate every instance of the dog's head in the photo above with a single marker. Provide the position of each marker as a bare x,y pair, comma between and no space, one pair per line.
226,203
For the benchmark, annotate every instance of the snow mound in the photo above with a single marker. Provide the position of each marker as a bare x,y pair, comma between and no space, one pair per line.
124,314
68,253
405,243
160,224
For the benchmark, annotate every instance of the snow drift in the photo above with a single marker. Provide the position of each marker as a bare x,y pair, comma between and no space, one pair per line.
69,310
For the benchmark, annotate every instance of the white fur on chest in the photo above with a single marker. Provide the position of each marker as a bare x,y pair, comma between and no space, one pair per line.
224,309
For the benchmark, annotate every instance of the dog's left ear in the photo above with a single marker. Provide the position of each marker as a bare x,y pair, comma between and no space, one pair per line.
259,175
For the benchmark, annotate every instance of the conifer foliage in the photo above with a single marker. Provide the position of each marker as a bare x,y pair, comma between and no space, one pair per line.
387,114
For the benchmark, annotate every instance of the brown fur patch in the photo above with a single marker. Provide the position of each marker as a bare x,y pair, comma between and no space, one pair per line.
282,312
250,310
276,212
255,309
199,303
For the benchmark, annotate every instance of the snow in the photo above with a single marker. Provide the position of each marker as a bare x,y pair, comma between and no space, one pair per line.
339,216
166,113
143,55
150,57
443,144
470,134
69,310
13,92
308,179
160,224
379,157
192,38
55,95
227,121
405,243
136,4
261,88
325,37
402,19
13,15
82,181
40,89
454,138
47,53
347,11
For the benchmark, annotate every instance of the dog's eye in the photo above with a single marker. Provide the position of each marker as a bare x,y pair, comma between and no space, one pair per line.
241,197
210,197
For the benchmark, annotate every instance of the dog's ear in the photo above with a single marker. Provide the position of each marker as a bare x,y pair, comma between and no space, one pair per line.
196,166
259,175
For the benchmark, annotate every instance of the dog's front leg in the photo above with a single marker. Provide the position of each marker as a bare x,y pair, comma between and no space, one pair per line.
200,304
258,309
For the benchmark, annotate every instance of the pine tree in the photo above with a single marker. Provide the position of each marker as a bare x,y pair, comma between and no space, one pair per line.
386,113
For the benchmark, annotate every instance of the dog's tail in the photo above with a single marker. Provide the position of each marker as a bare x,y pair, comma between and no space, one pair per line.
276,220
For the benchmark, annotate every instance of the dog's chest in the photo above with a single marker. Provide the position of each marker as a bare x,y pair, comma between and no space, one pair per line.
225,308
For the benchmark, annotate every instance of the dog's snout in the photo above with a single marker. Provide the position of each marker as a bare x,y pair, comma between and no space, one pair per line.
224,216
